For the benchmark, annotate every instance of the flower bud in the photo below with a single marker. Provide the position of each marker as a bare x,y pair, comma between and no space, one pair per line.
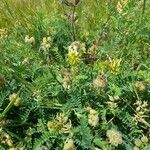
13,97
138,109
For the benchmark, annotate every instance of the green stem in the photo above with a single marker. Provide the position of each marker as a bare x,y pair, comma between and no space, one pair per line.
136,93
144,5
9,106
73,24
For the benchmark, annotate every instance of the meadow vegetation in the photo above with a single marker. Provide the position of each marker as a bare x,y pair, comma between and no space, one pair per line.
74,75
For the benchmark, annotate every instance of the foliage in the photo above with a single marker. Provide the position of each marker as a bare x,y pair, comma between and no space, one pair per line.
74,74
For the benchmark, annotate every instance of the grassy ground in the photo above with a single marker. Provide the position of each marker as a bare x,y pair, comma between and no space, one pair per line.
74,75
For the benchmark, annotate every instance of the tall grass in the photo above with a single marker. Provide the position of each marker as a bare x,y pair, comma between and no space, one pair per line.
25,11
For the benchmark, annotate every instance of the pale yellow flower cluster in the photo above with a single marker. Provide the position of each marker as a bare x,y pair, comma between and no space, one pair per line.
93,117
25,61
29,40
74,51
14,97
113,101
5,139
114,65
77,46
121,5
139,85
69,145
139,142
99,82
93,49
115,137
46,43
66,75
141,110
60,124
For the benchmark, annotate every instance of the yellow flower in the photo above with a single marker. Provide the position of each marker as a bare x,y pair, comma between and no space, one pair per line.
114,65
73,57
75,50
115,137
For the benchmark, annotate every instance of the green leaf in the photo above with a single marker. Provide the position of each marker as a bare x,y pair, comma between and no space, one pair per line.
147,147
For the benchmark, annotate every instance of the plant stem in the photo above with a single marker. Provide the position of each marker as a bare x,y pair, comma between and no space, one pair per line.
73,24
9,106
144,5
